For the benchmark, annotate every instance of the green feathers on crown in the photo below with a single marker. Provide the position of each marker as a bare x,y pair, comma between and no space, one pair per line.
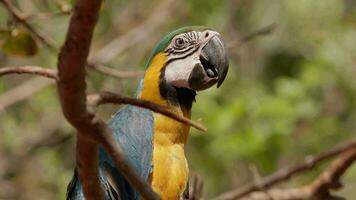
163,43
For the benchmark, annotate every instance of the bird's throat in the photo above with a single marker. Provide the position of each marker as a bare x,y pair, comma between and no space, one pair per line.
176,100
156,89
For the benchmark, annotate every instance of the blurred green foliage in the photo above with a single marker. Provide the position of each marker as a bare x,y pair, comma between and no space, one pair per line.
287,95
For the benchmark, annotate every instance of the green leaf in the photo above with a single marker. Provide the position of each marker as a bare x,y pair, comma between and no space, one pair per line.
20,43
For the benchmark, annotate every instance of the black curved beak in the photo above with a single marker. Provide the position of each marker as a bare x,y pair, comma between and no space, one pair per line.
213,65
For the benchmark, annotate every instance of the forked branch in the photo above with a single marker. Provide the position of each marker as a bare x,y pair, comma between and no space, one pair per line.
104,97
285,174
319,189
72,92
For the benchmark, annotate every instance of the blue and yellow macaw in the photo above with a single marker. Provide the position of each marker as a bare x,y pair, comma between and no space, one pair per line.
186,60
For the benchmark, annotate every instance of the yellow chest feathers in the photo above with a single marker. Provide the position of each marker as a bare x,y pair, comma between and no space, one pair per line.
170,168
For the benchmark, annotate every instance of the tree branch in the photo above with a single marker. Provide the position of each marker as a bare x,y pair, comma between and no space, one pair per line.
109,97
71,89
23,91
104,97
50,73
29,87
196,188
154,21
260,32
87,159
114,72
138,34
285,174
47,15
319,188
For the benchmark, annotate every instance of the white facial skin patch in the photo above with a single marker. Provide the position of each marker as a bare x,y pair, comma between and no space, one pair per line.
178,71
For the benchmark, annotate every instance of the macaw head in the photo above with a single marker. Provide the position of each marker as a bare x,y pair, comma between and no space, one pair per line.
186,60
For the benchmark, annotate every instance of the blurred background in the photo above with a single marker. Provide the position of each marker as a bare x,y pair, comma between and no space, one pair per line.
289,93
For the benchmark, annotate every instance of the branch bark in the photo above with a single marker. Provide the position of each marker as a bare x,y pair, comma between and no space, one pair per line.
196,188
285,174
257,33
95,100
109,97
71,90
137,35
23,91
319,189
154,21
114,72
50,73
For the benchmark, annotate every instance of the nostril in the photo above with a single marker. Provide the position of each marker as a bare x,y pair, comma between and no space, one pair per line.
206,34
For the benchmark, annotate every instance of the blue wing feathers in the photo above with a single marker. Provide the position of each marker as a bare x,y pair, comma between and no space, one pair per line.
133,130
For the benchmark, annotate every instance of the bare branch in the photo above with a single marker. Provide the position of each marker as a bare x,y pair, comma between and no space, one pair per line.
329,179
34,85
23,91
319,188
153,22
136,35
109,97
104,97
196,188
49,137
88,169
46,41
260,32
71,89
50,73
22,20
114,72
285,174
47,15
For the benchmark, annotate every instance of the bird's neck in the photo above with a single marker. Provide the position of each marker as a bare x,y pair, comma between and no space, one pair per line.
176,100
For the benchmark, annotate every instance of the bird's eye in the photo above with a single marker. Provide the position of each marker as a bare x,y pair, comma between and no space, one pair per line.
179,43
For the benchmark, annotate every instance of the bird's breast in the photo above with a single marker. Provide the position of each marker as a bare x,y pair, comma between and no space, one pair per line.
170,168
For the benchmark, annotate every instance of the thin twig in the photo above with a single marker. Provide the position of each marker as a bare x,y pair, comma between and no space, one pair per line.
23,91
135,36
138,34
49,137
196,188
104,97
260,32
46,41
114,72
285,174
47,15
50,73
153,22
19,18
109,97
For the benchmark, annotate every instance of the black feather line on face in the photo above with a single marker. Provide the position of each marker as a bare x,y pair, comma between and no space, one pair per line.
188,54
182,97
